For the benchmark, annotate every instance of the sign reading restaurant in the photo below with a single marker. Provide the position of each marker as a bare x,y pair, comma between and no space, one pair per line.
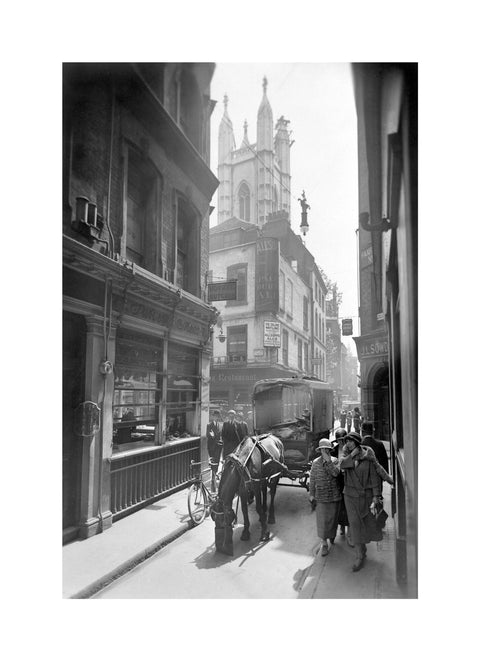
271,333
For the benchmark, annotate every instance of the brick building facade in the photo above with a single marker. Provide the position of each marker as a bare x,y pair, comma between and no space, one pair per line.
136,203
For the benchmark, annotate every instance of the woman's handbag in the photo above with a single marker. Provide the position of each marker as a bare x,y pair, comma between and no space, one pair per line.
374,533
381,518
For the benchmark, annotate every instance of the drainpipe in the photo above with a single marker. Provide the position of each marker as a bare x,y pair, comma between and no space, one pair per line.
110,159
106,368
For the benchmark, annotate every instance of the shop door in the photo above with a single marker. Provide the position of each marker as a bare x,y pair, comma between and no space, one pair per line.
382,406
73,395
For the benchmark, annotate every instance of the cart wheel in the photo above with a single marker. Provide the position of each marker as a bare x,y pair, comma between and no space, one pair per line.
197,503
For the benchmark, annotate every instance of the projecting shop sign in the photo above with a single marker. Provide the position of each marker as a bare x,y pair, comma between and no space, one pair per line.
222,291
271,333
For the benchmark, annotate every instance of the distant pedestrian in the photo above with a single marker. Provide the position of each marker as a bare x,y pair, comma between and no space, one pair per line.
230,434
337,452
362,474
325,492
357,419
343,418
214,444
349,421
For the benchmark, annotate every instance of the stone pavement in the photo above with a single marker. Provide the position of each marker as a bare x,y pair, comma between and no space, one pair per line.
90,564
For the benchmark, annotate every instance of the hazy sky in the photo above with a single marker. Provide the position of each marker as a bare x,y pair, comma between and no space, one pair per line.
318,101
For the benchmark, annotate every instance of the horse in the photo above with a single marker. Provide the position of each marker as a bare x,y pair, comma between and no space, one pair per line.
256,463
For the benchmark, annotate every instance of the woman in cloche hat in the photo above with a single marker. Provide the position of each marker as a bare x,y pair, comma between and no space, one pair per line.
325,491
363,484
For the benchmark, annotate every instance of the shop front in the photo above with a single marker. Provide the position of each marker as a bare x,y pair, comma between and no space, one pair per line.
139,350
372,350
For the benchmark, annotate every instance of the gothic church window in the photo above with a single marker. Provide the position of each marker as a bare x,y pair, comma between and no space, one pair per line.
244,202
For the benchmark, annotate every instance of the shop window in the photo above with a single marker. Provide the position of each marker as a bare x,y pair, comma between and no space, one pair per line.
182,415
238,272
237,344
137,389
244,202
143,200
285,347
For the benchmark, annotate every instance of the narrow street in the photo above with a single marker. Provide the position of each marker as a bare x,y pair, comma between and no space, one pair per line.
190,568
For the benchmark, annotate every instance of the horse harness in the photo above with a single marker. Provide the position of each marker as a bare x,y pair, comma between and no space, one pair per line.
242,467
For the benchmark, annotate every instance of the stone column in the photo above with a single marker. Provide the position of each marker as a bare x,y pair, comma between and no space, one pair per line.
95,514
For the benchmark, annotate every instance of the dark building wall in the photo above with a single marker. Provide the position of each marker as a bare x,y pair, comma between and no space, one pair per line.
95,118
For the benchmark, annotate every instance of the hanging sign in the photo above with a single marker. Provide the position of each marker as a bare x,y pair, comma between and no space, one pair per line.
222,291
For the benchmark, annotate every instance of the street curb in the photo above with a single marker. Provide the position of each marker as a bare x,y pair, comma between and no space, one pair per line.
128,565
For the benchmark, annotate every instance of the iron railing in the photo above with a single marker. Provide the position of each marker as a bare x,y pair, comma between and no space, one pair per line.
136,479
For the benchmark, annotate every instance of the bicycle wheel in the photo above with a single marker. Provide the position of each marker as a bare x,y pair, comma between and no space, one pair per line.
197,503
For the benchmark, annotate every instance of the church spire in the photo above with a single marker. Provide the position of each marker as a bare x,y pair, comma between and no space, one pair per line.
264,121
226,138
245,140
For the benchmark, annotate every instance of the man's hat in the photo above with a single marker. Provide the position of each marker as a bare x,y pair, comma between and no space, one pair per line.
231,412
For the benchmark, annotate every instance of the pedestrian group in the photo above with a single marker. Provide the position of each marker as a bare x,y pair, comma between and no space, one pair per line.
346,477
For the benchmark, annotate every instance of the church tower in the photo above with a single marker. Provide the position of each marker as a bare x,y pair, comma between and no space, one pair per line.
226,147
255,178
265,180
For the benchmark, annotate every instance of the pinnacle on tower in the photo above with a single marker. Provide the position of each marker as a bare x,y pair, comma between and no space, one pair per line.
245,140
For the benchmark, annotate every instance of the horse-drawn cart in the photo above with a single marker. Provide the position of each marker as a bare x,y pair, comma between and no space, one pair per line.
299,412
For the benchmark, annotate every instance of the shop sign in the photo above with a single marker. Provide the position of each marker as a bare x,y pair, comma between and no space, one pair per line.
372,348
366,257
87,419
266,275
271,333
222,291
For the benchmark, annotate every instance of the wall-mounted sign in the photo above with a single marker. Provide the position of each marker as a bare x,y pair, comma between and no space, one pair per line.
222,291
87,419
366,257
371,347
271,333
266,275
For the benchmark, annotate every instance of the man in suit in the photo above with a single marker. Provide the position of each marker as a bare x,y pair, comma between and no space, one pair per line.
242,426
377,446
214,444
230,434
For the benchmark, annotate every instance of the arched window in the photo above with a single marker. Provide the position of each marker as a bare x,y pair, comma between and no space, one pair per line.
275,199
244,202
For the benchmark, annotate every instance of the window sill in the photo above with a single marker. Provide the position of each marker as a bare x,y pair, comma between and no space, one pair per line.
130,451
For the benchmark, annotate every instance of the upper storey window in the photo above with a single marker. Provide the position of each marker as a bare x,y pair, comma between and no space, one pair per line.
185,105
244,202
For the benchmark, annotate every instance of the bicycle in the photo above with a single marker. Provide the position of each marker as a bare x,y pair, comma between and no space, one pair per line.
199,499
